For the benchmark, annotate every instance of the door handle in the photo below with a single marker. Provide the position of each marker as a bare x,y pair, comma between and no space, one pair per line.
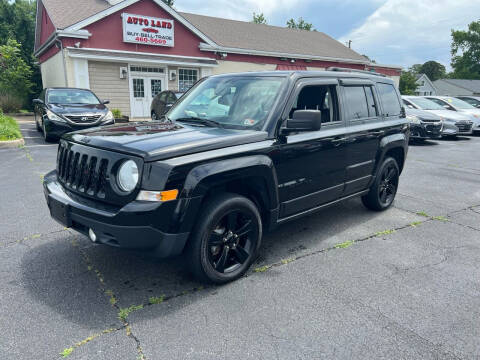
380,132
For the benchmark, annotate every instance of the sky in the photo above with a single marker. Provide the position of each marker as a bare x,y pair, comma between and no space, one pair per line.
397,32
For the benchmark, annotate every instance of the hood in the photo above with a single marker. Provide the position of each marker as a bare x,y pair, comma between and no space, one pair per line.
422,114
157,141
78,109
474,115
449,114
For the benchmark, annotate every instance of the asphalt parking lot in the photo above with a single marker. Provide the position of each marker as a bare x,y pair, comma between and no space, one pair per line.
344,283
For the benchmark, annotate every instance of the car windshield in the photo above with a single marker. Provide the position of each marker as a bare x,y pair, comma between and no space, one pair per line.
459,104
72,96
426,104
236,102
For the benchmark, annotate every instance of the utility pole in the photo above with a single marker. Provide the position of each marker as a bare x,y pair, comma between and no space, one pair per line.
349,44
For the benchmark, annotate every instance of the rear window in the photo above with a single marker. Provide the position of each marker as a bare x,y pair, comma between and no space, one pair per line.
389,98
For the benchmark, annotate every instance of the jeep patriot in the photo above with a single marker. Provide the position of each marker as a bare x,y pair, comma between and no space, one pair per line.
237,155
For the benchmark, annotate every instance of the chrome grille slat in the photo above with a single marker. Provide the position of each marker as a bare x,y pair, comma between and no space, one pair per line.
83,119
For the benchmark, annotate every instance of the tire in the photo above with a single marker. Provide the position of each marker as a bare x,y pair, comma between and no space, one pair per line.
154,116
39,129
225,240
383,191
46,136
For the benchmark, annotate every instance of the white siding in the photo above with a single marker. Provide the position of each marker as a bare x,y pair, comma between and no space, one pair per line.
52,71
105,82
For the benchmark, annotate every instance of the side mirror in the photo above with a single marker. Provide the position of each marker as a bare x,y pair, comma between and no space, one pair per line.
105,102
37,101
303,120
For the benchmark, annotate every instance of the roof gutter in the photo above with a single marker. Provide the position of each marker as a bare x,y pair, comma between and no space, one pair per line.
56,35
207,47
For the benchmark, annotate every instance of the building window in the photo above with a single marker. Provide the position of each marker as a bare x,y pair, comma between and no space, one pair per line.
186,79
138,88
146,69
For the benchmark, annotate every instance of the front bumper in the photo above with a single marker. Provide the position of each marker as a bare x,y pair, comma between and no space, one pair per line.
129,227
57,128
425,130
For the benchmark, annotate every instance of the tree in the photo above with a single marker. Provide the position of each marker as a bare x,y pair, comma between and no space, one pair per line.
168,2
17,21
415,68
15,74
259,18
466,52
408,83
299,24
368,58
434,70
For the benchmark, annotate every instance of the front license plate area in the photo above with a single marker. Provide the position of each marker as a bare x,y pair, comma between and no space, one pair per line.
60,211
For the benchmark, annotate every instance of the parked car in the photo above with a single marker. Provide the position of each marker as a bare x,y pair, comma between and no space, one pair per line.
209,186
472,100
162,102
61,110
453,123
423,125
454,104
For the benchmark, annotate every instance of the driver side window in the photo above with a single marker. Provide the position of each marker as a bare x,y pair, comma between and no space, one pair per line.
318,97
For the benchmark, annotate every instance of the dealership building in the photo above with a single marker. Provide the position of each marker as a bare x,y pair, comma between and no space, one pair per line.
128,51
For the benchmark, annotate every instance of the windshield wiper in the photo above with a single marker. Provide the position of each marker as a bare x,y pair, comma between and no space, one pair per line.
197,120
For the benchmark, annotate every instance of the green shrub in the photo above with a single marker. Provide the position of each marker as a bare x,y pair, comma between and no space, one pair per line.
116,113
10,104
8,128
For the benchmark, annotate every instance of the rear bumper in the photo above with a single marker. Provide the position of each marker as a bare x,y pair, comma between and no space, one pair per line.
109,224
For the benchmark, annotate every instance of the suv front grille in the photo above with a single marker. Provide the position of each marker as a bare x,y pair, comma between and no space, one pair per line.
90,172
81,172
83,119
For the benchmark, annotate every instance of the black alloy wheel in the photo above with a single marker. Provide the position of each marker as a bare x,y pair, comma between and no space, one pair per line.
388,184
383,191
230,244
225,240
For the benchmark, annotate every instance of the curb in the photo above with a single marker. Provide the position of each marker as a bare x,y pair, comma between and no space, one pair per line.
12,144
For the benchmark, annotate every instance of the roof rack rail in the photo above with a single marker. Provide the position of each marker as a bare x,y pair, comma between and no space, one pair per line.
335,68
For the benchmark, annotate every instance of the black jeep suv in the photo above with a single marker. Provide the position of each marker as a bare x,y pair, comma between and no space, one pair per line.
236,156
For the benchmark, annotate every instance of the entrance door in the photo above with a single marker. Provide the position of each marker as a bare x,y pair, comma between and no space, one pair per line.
139,97
144,89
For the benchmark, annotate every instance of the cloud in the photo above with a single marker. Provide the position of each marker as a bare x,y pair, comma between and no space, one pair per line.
406,32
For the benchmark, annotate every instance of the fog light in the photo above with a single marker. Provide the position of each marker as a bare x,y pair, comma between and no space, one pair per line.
92,235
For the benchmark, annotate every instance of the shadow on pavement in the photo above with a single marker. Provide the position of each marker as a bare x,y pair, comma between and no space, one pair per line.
65,277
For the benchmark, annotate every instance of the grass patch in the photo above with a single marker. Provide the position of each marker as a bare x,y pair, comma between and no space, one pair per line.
261,269
9,129
156,300
423,213
123,313
344,245
415,223
66,352
385,232
440,218
286,261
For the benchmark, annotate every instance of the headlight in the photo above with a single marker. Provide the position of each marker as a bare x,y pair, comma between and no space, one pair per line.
414,119
127,177
109,117
54,117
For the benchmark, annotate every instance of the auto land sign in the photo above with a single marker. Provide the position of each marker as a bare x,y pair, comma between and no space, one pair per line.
139,29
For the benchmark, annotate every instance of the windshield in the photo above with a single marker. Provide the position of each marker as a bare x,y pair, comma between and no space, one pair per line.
459,104
426,104
72,96
237,102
